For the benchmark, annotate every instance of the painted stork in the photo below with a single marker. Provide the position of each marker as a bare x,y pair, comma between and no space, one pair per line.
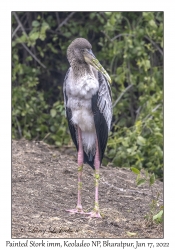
88,105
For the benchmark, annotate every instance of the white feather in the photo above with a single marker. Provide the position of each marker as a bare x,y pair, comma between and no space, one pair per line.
79,93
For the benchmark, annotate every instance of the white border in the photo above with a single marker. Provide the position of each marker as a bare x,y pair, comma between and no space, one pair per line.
5,96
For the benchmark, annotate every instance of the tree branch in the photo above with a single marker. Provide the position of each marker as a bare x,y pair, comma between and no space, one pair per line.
65,20
19,128
106,35
155,45
122,95
30,52
138,112
115,37
14,32
153,110
19,23
58,19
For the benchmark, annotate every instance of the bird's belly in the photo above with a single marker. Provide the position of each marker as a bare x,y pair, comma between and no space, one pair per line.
84,119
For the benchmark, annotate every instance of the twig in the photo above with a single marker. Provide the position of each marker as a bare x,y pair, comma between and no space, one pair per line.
36,59
129,25
58,18
122,95
102,14
155,45
131,98
30,52
46,136
19,23
115,37
66,19
14,32
153,110
156,107
138,112
106,35
19,128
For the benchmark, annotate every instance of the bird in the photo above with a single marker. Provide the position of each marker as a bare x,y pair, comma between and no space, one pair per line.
88,108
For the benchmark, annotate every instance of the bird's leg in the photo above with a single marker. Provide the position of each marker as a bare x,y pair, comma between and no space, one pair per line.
80,170
96,211
78,208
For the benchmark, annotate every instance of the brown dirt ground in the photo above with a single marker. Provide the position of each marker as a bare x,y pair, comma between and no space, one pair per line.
44,185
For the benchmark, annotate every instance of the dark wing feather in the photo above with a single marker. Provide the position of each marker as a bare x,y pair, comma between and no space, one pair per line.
72,128
102,109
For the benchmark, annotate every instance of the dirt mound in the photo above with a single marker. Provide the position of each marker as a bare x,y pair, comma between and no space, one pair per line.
44,185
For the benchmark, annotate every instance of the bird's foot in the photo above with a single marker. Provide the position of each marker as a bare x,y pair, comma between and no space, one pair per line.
77,210
94,214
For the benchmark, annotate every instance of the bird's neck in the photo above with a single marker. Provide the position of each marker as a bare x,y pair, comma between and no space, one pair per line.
81,69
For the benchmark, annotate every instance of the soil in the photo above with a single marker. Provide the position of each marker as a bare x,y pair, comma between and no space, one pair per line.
44,185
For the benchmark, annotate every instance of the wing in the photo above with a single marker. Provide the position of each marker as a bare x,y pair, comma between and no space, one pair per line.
69,113
102,109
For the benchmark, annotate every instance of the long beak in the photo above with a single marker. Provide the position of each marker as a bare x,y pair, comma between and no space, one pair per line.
92,60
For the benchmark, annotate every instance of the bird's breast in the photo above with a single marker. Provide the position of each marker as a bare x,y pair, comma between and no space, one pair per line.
82,87
79,95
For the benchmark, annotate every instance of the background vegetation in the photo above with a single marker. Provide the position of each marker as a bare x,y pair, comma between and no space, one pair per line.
130,47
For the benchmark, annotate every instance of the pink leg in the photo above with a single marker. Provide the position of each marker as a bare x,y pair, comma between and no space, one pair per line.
96,212
78,208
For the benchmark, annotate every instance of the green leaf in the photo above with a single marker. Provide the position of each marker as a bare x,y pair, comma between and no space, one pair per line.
112,153
147,65
140,182
141,141
125,143
152,23
53,112
135,170
52,128
35,23
34,36
158,216
152,179
58,143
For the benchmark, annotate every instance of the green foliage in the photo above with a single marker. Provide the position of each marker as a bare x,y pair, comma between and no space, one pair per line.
135,57
130,47
150,178
153,215
158,218
31,118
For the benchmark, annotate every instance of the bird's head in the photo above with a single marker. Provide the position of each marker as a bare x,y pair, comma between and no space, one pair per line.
80,51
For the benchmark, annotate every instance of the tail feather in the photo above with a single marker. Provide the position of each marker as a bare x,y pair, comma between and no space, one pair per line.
88,160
